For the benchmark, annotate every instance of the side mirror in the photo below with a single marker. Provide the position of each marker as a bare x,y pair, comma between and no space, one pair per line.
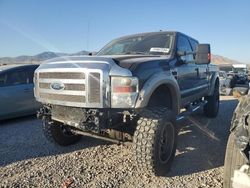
203,54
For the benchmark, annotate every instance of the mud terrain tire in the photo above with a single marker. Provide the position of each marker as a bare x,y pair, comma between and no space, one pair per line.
155,140
211,109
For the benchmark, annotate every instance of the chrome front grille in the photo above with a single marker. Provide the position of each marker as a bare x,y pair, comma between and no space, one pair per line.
95,90
79,89
73,87
62,75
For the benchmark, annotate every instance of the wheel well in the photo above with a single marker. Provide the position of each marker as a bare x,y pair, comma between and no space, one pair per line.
161,97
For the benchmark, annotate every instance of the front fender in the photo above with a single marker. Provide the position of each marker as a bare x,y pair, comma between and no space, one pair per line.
153,83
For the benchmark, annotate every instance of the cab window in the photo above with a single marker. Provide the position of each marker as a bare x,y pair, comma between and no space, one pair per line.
183,45
193,44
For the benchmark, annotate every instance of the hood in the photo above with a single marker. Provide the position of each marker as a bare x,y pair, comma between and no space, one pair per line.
121,65
107,64
131,61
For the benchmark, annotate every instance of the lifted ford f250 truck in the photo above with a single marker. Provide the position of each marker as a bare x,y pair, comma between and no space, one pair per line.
132,90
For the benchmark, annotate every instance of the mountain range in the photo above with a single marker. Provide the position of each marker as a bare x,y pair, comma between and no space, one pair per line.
25,59
216,59
221,60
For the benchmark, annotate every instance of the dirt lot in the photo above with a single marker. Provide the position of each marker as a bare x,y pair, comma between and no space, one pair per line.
27,159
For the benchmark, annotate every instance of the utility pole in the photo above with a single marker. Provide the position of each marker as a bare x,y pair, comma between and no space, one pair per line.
88,28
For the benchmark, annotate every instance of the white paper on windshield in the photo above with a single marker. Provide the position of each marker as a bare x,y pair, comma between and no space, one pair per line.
162,50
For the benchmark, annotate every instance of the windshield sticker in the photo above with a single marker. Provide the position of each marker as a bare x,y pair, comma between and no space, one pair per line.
162,50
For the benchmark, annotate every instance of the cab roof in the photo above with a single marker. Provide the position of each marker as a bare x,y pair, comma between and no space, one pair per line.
158,32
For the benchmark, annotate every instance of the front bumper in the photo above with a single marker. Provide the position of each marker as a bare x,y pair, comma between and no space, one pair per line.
94,120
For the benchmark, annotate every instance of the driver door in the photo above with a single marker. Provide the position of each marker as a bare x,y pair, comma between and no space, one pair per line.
187,70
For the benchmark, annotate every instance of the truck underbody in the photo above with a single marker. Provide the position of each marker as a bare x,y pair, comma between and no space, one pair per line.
108,124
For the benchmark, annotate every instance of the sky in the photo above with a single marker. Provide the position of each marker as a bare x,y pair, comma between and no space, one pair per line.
29,27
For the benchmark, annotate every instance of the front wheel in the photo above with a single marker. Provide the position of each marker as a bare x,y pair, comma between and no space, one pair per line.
155,140
58,133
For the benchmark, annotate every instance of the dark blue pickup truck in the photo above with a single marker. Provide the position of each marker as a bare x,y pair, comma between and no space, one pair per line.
131,90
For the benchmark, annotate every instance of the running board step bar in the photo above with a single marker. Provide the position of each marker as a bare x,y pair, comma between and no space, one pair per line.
190,110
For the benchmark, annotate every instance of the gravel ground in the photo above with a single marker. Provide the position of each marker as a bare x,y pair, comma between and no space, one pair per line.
27,159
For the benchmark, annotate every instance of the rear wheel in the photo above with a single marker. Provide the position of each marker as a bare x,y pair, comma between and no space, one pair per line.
155,140
58,133
211,109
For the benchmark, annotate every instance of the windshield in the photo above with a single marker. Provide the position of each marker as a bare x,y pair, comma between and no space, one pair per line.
148,44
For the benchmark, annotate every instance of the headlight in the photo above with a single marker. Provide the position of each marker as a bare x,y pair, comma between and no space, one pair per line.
124,92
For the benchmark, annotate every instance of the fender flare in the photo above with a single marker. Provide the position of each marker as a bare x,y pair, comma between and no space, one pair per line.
153,83
213,79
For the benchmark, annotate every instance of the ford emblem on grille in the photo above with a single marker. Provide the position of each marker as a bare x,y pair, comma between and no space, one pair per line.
57,86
